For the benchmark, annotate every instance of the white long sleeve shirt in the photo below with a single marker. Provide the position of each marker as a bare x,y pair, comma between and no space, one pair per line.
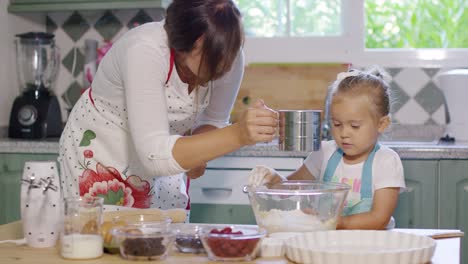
131,80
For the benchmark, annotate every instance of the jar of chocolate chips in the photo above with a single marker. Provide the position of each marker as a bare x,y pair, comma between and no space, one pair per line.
144,241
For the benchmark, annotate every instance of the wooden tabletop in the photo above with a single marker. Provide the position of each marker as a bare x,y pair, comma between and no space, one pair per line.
447,251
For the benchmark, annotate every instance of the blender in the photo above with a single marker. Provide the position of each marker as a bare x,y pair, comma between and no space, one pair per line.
36,112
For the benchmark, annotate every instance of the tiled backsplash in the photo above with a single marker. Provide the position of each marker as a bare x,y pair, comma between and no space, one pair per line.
417,99
71,29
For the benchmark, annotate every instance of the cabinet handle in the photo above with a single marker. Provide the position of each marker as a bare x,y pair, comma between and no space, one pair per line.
216,192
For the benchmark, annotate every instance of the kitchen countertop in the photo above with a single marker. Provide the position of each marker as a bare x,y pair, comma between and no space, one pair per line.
447,251
409,141
406,149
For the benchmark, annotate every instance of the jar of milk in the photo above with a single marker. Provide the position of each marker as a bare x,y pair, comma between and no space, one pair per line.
81,236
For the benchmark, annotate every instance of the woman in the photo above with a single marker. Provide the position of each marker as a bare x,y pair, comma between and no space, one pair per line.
158,107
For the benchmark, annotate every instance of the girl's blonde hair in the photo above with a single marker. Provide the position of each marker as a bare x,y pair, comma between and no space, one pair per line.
372,82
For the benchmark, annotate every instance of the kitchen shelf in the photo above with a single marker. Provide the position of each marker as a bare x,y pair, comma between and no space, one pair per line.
24,6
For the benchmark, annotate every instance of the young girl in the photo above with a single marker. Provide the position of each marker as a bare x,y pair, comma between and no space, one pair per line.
359,113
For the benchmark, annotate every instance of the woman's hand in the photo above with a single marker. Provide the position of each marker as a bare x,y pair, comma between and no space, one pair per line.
263,175
257,124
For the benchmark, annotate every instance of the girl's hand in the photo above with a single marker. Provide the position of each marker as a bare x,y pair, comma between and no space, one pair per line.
263,175
257,124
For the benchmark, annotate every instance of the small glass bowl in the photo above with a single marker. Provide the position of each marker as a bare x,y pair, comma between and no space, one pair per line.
144,241
232,247
187,239
110,245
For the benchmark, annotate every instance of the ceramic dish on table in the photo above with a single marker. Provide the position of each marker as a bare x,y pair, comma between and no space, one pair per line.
360,246
128,218
231,243
187,239
144,241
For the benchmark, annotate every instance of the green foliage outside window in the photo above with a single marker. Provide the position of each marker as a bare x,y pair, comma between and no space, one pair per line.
270,18
389,23
416,23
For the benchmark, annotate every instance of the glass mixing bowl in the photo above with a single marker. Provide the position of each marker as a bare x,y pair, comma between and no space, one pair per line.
297,206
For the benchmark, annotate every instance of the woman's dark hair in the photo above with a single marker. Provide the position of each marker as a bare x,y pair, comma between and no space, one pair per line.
219,21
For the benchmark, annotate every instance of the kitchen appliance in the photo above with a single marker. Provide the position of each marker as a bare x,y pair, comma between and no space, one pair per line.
40,203
299,130
454,85
35,114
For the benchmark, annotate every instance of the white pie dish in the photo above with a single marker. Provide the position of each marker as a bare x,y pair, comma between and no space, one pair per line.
359,246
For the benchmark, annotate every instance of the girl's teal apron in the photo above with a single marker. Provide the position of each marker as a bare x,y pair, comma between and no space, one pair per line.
365,204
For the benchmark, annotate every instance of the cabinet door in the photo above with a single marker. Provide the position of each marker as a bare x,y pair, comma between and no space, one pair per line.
11,170
218,197
222,214
454,199
417,205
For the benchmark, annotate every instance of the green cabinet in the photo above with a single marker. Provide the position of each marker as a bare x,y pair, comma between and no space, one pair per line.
19,6
454,199
222,214
417,205
11,170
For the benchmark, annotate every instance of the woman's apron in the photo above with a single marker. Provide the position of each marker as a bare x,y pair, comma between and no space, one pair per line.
97,156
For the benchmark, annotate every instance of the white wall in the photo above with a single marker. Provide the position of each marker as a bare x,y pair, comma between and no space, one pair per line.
9,26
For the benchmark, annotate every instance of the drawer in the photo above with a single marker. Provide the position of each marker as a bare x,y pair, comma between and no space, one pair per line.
221,186
247,163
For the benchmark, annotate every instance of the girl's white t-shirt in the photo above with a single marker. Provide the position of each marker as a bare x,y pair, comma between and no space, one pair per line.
387,170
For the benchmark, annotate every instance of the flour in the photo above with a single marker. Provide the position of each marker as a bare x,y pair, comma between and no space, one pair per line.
293,221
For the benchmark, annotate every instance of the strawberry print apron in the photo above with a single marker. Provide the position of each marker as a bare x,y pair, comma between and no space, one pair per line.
94,164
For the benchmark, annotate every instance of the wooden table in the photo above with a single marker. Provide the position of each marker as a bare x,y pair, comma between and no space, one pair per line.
447,252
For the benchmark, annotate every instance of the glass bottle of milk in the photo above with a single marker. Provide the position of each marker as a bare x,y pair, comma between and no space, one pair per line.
81,236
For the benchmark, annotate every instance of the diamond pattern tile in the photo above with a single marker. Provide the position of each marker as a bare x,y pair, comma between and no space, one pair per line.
59,17
430,121
157,14
412,114
72,94
439,116
72,58
50,25
125,15
139,19
393,71
75,26
108,26
430,97
411,80
398,97
92,16
431,72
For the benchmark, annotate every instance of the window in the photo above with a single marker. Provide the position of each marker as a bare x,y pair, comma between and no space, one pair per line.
416,23
279,18
392,33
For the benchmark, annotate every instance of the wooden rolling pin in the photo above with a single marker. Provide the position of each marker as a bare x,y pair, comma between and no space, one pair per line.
176,215
443,235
